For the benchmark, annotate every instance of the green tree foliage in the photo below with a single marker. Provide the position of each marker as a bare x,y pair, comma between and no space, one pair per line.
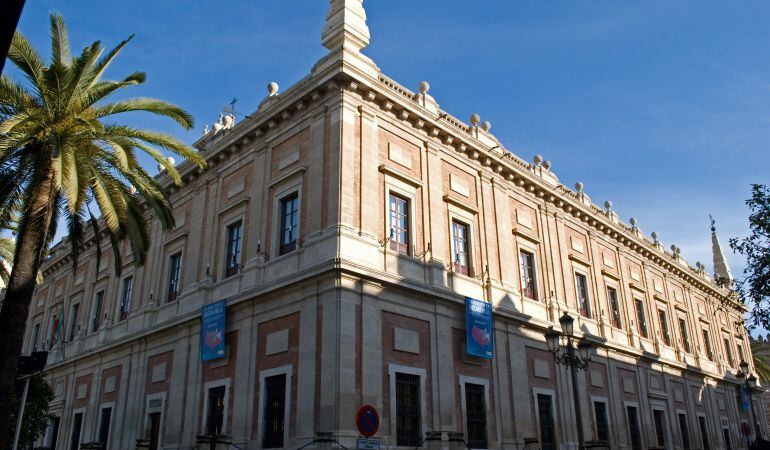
755,288
36,413
62,147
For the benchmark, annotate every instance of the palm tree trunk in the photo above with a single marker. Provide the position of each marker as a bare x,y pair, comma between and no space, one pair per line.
31,240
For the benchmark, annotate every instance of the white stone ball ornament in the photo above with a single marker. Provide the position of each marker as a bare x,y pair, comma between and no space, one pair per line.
424,87
272,88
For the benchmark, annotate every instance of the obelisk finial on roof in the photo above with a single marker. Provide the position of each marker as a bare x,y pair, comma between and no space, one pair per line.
345,26
345,34
721,268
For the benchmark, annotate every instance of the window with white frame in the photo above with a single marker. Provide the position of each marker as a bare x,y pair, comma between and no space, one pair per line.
707,345
641,318
215,409
612,298
634,429
601,420
475,398
704,433
96,317
683,335
289,223
528,277
659,422
74,317
233,249
460,247
581,289
546,420
684,430
663,322
399,219
105,420
125,297
77,429
174,272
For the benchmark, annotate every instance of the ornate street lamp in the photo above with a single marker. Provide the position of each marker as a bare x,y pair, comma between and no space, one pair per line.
747,383
572,356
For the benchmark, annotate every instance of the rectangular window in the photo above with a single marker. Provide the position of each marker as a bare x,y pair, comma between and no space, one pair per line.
704,433
664,327
96,318
234,244
408,410
684,431
104,427
528,283
476,415
56,326
274,411
174,269
683,335
641,318
399,224
707,345
35,335
740,352
612,298
460,247
634,432
289,223
728,352
125,298
153,432
581,287
215,416
75,312
602,423
52,438
726,435
659,421
77,425
546,421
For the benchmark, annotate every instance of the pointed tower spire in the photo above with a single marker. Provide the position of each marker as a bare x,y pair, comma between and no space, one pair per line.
345,34
721,269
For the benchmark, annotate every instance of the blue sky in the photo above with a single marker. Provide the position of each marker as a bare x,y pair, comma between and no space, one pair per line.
662,107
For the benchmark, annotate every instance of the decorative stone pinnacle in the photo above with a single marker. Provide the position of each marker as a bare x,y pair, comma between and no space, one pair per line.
345,26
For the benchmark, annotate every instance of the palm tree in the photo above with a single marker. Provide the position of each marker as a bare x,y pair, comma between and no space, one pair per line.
760,352
7,249
59,153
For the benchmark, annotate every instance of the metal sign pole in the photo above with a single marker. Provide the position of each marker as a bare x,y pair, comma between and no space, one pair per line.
21,415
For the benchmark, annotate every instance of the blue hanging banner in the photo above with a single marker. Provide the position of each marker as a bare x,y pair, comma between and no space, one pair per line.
213,330
745,401
478,324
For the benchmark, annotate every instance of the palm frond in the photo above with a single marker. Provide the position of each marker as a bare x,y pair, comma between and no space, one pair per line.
60,43
150,105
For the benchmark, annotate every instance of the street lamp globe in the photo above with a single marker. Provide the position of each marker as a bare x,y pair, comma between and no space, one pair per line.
584,347
567,324
552,340
744,367
752,381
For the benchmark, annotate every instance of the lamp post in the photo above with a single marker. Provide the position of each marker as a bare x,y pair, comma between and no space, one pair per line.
747,383
572,356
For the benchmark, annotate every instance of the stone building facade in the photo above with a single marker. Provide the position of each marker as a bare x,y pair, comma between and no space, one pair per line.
345,222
